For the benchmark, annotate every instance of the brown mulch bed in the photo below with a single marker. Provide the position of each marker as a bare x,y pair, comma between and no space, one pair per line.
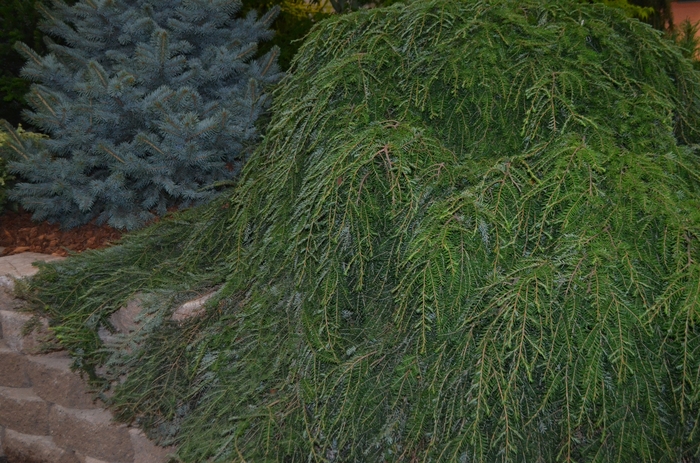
19,234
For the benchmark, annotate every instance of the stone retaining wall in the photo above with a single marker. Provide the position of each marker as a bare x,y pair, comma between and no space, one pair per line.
46,414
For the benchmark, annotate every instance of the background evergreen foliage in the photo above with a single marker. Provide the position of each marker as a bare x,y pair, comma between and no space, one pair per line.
347,6
660,15
7,180
148,107
470,234
291,26
685,34
18,21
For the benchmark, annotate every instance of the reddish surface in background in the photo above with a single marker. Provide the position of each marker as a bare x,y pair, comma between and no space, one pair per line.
19,234
685,10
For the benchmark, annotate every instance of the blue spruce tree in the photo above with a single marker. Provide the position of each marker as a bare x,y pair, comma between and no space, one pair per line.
149,106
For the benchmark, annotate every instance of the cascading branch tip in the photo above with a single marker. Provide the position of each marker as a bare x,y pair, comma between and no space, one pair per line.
470,234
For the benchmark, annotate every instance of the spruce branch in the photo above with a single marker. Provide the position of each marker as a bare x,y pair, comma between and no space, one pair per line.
138,81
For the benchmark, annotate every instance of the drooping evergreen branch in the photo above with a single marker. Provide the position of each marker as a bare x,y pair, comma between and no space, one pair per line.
470,234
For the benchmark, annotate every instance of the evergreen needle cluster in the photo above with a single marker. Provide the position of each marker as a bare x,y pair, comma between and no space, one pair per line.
149,105
470,234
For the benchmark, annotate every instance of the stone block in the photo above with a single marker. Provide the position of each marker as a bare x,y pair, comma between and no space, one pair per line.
13,323
17,266
91,433
35,449
22,265
146,451
13,371
23,411
93,460
193,308
53,381
124,319
2,446
7,299
7,283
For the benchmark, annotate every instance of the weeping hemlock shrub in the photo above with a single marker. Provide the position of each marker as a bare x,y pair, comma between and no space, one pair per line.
470,234
149,106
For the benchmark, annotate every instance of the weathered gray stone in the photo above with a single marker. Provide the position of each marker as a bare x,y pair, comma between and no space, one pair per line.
124,319
23,411
12,368
13,323
91,433
53,381
7,283
107,338
21,265
93,460
146,451
7,299
2,446
193,308
35,449
12,268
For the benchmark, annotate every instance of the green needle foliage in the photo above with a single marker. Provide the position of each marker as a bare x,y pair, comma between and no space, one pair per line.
470,234
6,180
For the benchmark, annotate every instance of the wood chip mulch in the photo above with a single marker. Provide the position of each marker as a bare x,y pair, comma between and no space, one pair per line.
19,234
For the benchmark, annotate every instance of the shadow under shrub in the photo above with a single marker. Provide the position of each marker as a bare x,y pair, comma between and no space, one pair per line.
470,234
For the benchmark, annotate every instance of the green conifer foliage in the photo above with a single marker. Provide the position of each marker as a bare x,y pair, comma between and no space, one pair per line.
470,235
149,105
23,138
